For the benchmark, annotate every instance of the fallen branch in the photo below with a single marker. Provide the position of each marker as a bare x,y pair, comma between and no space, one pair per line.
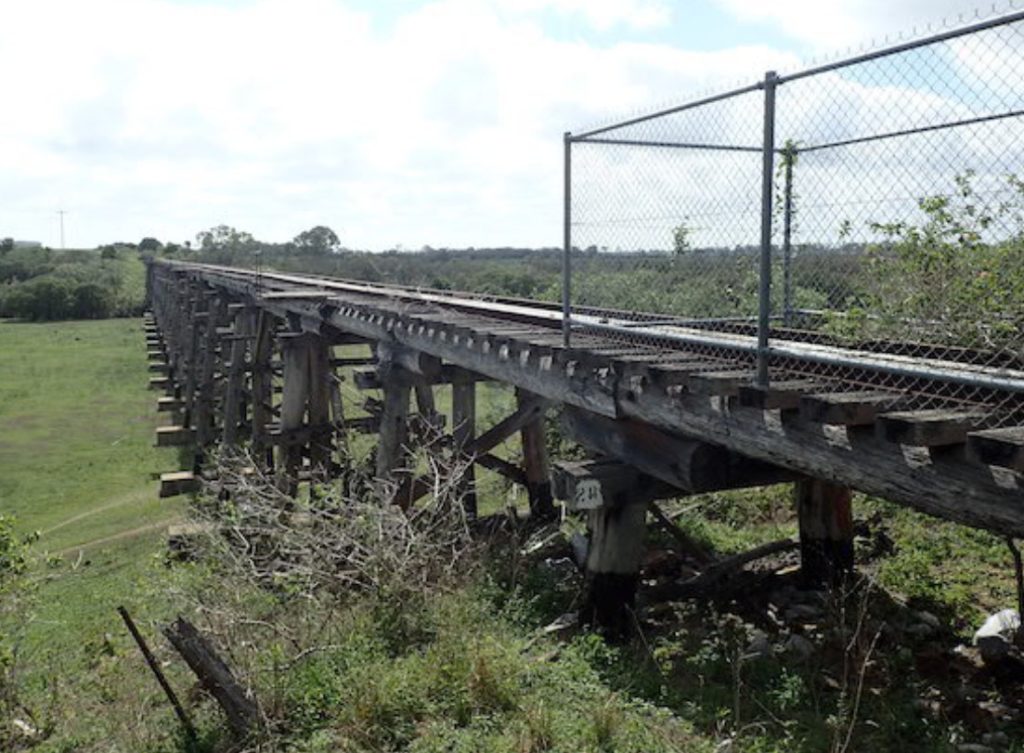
707,581
735,562
215,676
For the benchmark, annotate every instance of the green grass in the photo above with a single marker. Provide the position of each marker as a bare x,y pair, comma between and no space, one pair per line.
76,431
76,460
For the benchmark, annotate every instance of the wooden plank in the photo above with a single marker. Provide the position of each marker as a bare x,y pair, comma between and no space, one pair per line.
529,410
847,408
928,428
174,436
159,383
291,295
1000,447
339,363
668,374
370,378
781,395
178,482
726,382
168,404
366,379
502,467
364,424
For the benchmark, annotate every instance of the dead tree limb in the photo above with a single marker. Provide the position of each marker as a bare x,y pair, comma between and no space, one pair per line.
215,676
728,565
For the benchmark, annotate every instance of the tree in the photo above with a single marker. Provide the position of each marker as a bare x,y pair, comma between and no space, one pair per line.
224,238
681,239
150,244
6,245
318,240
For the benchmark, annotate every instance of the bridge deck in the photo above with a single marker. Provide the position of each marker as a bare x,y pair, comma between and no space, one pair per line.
843,428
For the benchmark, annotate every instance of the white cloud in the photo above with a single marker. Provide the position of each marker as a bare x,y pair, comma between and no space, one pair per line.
601,14
443,128
155,117
829,25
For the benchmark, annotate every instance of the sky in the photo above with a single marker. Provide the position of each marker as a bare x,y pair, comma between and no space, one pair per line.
398,123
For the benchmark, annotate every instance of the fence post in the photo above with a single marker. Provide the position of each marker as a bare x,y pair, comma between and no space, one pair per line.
567,241
767,174
789,154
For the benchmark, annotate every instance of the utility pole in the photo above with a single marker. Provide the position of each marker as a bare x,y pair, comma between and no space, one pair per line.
61,212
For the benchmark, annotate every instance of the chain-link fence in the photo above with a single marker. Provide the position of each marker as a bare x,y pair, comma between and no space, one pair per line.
859,224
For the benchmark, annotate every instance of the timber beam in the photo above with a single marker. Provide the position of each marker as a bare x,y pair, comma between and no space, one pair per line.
689,465
594,484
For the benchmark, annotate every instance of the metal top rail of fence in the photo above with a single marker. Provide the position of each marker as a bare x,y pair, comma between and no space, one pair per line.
859,223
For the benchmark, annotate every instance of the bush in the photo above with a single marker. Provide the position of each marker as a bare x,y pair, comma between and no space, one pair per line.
13,564
82,285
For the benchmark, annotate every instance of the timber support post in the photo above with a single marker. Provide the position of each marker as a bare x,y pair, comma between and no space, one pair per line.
295,358
321,432
394,432
463,433
613,564
263,389
615,497
234,400
535,464
826,531
206,391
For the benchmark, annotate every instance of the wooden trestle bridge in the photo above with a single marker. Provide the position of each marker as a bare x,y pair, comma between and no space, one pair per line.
249,356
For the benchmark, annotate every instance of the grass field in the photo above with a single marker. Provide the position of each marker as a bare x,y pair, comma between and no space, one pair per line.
76,460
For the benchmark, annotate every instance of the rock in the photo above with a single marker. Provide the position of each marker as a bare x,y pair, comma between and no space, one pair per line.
800,613
999,711
562,623
920,630
996,739
799,647
560,566
927,618
811,596
545,543
24,730
994,636
728,745
760,644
